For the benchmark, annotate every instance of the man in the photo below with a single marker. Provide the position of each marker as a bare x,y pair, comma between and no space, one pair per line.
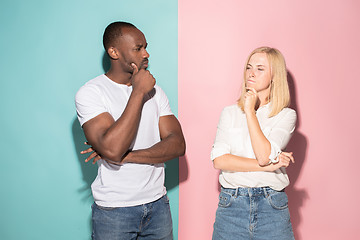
127,120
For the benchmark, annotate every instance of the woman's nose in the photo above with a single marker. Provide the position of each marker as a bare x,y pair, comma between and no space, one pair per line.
251,73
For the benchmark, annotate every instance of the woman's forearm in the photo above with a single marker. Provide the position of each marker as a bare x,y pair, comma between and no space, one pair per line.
229,162
261,146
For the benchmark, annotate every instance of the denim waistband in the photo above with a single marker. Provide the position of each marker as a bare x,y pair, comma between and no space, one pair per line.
257,191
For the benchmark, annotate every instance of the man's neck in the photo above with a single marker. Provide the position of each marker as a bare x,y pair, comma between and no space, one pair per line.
119,77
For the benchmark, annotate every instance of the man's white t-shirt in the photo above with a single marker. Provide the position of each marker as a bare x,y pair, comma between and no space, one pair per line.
129,184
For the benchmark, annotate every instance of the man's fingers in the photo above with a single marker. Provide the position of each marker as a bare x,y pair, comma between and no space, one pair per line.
92,155
87,150
97,158
135,68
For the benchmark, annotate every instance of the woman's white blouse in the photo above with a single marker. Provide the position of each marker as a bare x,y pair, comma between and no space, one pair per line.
233,137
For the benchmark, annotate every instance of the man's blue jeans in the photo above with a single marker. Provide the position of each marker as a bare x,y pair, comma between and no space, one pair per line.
151,221
252,213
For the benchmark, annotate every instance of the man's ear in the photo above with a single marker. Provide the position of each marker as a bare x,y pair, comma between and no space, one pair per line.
113,53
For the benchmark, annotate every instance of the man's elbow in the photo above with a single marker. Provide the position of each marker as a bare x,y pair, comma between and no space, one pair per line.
181,148
114,156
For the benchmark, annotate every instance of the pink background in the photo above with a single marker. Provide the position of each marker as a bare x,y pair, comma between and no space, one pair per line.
320,41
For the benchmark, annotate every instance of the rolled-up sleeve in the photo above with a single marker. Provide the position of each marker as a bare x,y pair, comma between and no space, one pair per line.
281,133
221,145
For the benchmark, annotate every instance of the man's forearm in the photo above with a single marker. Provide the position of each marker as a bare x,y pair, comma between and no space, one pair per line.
169,148
123,130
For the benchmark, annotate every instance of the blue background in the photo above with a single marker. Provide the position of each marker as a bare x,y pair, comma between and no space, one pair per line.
48,50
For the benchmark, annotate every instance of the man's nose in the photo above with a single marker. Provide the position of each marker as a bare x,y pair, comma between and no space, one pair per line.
146,54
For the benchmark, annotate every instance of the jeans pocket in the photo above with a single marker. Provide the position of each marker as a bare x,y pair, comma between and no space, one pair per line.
224,199
278,200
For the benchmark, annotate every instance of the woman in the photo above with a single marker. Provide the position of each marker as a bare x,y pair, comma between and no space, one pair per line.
248,150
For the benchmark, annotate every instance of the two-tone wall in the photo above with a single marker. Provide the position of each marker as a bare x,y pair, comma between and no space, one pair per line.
48,49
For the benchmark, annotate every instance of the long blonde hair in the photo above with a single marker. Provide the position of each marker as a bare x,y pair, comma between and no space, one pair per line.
279,89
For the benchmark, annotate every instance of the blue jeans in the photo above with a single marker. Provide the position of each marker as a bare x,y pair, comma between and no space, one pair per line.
252,213
151,221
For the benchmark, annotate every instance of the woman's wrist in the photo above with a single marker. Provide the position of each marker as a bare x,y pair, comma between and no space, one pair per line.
249,111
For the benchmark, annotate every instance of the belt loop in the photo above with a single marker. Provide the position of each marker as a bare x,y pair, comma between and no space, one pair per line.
236,192
265,192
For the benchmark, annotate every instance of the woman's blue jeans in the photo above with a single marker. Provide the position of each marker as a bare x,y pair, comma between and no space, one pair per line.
252,213
151,221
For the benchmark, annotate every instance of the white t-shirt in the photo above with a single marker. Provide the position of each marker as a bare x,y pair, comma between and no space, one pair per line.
129,184
233,137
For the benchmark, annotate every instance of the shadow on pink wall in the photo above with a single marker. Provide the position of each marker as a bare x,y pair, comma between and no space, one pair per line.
183,169
297,145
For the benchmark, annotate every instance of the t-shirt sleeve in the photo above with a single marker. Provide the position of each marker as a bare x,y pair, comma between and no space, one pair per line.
163,102
221,145
89,103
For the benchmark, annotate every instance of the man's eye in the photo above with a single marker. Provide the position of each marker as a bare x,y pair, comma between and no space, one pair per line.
260,69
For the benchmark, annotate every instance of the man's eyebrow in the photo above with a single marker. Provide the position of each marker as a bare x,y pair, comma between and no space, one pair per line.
140,45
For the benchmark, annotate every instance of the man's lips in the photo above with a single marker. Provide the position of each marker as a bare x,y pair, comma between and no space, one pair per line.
145,62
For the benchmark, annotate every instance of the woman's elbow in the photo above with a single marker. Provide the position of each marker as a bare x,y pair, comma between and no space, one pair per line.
217,163
263,161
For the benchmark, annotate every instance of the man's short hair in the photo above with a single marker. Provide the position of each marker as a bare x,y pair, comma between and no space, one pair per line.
113,31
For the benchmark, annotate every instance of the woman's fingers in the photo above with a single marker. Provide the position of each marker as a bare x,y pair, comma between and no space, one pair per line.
289,155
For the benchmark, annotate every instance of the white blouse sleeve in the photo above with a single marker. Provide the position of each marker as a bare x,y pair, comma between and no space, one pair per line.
281,133
221,145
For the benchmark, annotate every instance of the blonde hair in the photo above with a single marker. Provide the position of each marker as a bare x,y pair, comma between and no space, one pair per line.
279,89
